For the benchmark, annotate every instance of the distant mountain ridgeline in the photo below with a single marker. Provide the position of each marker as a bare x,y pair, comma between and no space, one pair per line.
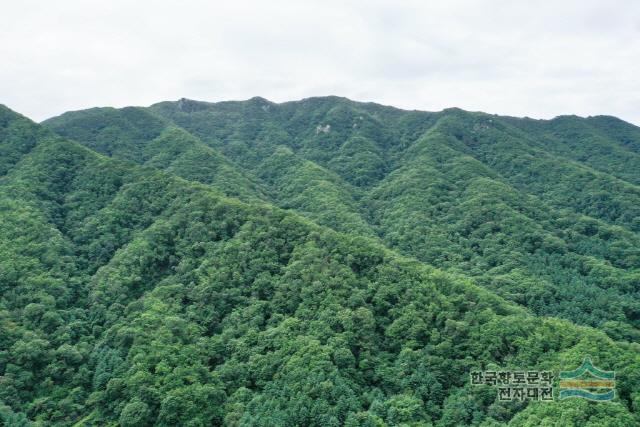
316,263
545,213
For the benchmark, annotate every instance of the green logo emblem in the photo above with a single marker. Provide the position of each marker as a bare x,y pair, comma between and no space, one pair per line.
588,382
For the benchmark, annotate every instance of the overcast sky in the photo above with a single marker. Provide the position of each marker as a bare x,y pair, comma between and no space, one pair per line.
525,58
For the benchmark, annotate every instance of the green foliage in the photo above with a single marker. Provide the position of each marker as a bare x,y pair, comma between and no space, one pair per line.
134,292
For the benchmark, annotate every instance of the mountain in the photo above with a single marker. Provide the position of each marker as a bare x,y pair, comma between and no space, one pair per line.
318,263
544,213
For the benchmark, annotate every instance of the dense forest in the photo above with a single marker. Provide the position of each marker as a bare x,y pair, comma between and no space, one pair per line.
313,263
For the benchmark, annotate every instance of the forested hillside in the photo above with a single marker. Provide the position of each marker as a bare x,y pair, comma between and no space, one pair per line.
313,263
544,213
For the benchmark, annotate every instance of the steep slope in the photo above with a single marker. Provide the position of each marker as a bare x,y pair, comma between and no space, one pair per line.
625,133
136,135
18,135
249,131
586,142
313,191
559,181
543,212
450,210
142,299
289,179
114,132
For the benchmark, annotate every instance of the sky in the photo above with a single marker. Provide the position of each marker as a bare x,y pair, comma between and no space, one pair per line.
523,58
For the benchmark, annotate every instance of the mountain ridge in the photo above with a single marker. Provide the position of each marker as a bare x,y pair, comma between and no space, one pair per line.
365,151
134,296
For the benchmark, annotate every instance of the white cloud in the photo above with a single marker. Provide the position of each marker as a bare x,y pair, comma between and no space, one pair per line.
540,59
